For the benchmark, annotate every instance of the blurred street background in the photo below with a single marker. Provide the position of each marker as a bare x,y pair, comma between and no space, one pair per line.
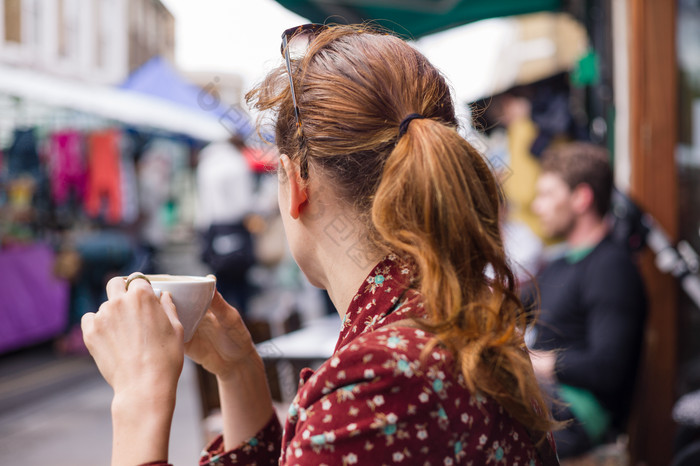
58,410
56,407
125,144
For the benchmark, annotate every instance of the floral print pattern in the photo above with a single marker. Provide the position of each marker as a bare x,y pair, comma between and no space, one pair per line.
375,401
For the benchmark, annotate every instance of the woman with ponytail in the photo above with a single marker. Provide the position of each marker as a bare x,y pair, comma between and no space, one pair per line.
391,211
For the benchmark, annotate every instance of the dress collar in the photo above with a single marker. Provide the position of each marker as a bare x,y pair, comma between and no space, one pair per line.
386,291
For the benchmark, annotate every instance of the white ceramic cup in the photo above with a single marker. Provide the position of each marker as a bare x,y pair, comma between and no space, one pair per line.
191,295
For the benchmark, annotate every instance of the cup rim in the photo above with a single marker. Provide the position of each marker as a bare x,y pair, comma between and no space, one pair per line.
154,278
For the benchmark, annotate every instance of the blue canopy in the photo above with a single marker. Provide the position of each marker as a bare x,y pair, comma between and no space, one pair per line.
157,78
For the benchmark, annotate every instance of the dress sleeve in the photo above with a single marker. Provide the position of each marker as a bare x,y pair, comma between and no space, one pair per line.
263,449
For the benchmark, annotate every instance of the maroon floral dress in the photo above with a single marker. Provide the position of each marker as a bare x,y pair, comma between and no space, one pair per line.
375,402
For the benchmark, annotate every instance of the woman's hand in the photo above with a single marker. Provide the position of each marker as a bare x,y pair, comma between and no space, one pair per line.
135,338
222,343
223,346
137,342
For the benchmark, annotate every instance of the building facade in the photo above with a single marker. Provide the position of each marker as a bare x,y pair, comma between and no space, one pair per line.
97,41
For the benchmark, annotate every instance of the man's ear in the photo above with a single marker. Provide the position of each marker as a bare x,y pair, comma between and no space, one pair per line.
582,198
296,186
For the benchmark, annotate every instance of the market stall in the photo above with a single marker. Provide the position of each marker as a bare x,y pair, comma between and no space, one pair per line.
93,180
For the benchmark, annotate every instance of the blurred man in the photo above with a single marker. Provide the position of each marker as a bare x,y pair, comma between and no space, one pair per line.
225,191
587,339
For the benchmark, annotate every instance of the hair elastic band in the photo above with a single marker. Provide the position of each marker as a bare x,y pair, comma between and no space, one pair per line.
403,127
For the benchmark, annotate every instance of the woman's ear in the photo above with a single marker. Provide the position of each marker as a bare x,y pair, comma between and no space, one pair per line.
296,187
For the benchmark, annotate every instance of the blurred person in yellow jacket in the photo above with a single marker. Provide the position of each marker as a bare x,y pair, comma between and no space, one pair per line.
519,187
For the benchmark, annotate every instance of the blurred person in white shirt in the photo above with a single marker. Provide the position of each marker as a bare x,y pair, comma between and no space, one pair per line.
226,193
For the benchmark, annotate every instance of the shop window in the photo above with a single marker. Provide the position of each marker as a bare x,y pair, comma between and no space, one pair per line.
67,18
98,9
13,20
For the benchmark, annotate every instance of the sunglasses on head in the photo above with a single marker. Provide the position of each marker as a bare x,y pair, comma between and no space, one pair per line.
295,42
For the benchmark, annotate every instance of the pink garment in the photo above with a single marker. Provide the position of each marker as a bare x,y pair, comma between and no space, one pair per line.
104,180
66,166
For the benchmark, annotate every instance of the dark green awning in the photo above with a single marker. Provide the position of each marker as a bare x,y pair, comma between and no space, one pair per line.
414,18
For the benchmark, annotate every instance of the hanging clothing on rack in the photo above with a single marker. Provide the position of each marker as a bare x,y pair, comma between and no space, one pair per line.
155,174
67,170
22,155
104,178
129,181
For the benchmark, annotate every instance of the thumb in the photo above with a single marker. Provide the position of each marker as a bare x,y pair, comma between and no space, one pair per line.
220,307
166,301
218,303
227,315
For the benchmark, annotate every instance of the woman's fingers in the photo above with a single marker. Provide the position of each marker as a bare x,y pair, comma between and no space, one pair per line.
168,305
87,325
87,321
136,281
218,303
228,318
226,314
138,294
116,287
